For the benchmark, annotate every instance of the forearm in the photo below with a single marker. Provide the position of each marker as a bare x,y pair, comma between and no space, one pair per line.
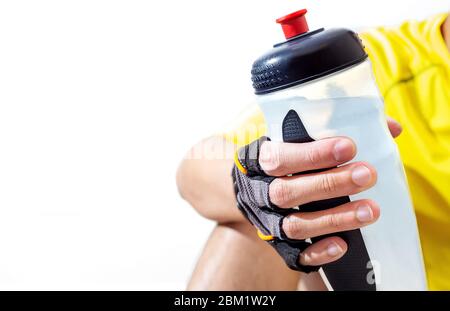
204,180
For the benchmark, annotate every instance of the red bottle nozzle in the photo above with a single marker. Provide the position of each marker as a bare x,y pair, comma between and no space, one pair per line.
294,24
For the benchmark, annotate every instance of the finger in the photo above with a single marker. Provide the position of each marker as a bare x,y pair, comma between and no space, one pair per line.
281,159
349,216
394,127
288,192
323,252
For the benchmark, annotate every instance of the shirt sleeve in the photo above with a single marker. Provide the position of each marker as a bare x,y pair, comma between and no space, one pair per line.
247,127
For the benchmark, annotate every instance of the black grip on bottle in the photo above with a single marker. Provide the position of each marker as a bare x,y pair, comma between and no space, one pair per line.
354,270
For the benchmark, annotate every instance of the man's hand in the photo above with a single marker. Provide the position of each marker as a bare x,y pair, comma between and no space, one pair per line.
267,192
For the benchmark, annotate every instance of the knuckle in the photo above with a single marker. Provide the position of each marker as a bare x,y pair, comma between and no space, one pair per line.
333,221
328,183
280,193
313,156
294,229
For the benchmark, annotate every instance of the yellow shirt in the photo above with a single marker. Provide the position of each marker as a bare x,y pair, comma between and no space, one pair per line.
411,64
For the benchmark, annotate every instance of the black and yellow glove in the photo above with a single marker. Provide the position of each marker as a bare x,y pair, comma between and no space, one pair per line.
251,186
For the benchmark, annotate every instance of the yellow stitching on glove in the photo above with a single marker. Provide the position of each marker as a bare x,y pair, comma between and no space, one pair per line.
264,237
239,165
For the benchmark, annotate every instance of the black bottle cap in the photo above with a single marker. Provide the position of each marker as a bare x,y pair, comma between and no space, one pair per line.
305,56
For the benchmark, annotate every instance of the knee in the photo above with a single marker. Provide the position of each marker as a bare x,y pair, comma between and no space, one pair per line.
236,233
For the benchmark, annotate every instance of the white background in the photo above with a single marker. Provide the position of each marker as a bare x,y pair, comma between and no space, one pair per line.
99,100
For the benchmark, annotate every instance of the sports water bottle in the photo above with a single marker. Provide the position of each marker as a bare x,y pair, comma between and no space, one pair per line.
319,84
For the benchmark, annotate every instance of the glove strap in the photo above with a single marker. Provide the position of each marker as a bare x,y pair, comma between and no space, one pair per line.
247,158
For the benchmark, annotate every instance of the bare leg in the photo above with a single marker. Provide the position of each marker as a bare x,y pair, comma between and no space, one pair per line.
234,258
311,281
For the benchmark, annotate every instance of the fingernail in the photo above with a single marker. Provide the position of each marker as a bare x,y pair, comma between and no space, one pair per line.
333,250
342,150
364,213
361,176
395,122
